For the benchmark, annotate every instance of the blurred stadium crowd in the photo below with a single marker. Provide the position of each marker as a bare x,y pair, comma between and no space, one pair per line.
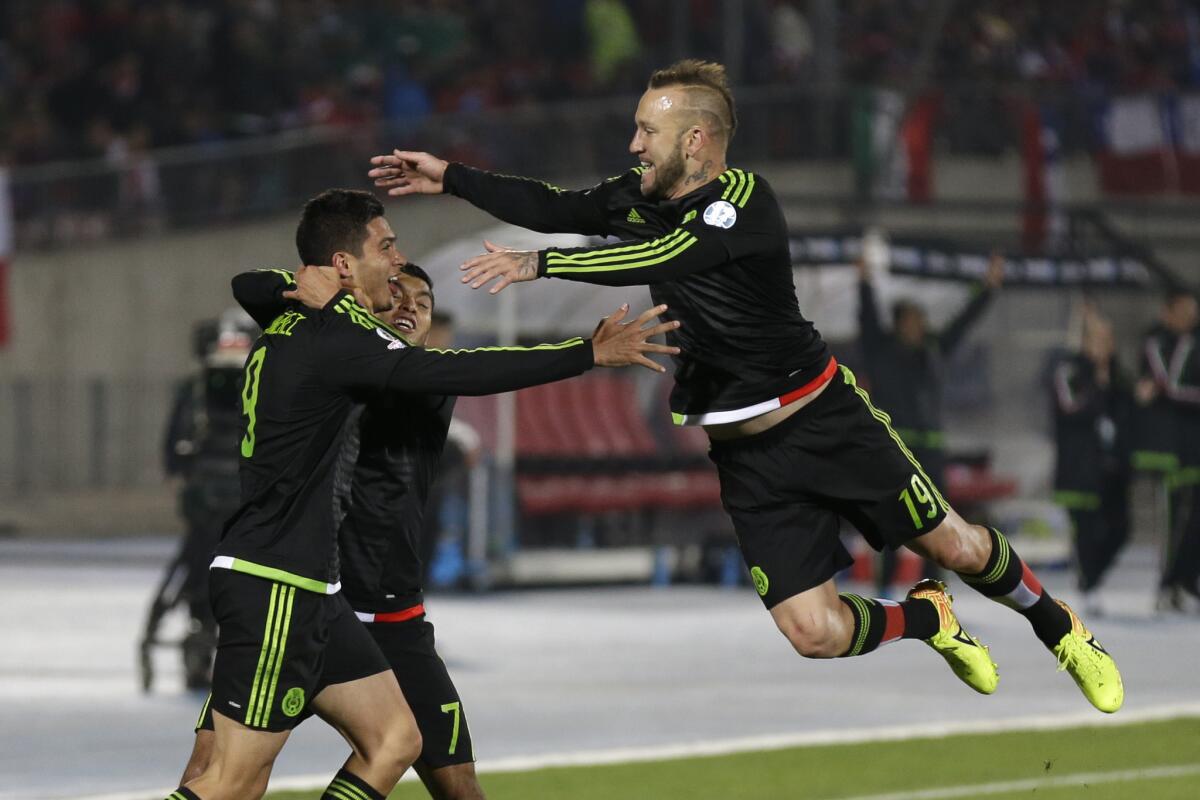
111,78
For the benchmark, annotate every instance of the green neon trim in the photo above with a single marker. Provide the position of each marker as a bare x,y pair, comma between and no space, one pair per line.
252,706
627,251
360,316
882,416
859,605
497,349
284,323
678,419
203,710
282,641
691,240
688,217
1077,501
340,793
1155,461
456,709
1001,562
348,787
749,188
280,576
287,275
738,185
250,399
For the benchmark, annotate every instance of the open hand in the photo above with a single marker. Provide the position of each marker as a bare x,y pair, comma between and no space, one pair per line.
408,172
617,343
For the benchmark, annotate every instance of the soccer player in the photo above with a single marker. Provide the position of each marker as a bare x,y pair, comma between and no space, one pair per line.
289,642
796,442
392,450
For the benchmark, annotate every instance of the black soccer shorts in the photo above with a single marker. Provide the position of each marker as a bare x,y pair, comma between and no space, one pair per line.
278,646
787,487
409,648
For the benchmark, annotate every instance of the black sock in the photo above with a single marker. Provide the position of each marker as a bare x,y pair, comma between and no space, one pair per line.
879,622
348,786
1009,580
183,794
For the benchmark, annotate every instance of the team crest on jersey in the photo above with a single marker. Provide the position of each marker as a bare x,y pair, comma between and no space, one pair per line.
393,342
720,214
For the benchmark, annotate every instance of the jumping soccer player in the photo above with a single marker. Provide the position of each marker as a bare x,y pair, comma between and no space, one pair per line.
796,442
289,642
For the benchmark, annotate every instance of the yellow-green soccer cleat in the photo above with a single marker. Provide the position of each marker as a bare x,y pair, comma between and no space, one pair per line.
1091,666
964,653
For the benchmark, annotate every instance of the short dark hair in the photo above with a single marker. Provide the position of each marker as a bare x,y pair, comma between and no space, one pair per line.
420,274
335,220
703,78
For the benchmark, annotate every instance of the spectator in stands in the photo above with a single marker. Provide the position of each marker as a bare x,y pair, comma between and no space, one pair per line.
1168,444
1093,414
905,367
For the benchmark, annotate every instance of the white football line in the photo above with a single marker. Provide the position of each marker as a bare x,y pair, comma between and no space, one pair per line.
719,747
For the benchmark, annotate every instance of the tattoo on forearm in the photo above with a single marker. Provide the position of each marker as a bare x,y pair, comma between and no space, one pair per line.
700,175
528,265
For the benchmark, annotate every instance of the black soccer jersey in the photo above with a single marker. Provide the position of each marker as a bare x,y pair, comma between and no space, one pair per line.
399,443
301,380
718,257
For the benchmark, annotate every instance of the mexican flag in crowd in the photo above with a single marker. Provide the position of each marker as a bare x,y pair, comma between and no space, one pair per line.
893,145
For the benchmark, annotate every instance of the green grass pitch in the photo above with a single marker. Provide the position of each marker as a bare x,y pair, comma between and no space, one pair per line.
979,765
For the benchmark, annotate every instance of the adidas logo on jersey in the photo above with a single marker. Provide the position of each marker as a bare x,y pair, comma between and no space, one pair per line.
634,216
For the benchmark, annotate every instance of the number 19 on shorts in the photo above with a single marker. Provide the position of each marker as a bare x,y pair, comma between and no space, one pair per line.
915,497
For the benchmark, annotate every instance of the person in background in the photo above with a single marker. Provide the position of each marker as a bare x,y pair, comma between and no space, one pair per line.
906,366
1093,413
201,448
1168,396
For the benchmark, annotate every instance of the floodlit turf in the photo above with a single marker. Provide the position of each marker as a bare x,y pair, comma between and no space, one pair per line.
851,771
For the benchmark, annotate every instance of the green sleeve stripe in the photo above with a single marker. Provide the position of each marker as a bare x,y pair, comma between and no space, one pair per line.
621,253
495,349
649,262
287,276
741,203
738,186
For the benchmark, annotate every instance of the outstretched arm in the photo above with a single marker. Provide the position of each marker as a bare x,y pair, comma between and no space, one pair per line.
529,203
363,360
956,330
870,330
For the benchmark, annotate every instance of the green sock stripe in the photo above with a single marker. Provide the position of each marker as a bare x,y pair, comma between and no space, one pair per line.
289,601
347,786
203,710
858,605
1002,560
882,417
262,656
341,794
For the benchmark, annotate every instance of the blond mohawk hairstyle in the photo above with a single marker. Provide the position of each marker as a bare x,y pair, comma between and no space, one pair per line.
707,88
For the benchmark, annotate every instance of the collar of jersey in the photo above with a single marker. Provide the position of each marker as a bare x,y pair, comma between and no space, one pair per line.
394,331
